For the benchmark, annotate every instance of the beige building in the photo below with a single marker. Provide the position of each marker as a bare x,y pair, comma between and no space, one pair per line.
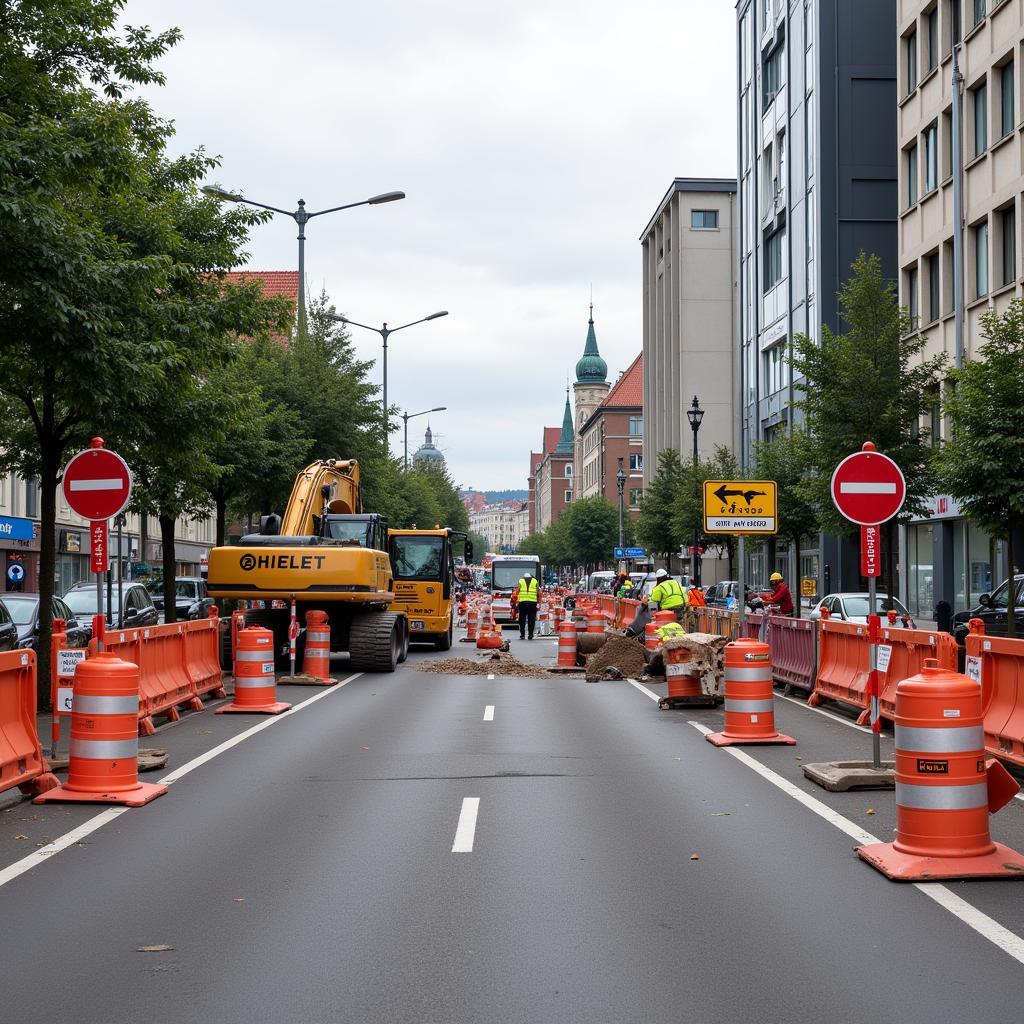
949,559
689,282
501,525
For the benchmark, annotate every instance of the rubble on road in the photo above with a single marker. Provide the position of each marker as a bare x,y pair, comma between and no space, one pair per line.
498,662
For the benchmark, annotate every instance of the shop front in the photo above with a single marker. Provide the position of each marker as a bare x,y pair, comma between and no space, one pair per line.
19,550
72,558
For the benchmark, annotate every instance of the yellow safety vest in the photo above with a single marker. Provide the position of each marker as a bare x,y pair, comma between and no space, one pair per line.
668,595
670,629
528,591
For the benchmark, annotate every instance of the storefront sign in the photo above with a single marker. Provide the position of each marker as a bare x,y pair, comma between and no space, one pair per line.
71,542
15,528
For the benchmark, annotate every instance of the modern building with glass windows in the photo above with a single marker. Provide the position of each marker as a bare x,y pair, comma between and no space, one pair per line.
948,559
817,185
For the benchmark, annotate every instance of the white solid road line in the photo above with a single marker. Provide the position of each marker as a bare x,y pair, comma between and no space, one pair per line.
489,713
827,714
76,835
466,828
490,675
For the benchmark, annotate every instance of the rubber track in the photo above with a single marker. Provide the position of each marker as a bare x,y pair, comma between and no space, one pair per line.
369,642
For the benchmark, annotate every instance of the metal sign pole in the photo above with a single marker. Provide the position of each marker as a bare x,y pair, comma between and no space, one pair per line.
876,724
742,556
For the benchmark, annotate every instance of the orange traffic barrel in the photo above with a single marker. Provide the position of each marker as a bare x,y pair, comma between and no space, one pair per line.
595,621
490,637
749,698
566,645
316,660
103,766
682,678
652,641
471,625
255,683
945,790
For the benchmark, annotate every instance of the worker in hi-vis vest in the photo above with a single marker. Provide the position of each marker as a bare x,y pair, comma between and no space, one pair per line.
526,596
668,594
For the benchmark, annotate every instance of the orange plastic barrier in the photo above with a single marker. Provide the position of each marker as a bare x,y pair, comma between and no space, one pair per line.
21,757
202,659
793,645
910,649
997,662
843,656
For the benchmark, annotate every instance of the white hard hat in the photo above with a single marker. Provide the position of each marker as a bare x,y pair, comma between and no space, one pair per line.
527,576
660,574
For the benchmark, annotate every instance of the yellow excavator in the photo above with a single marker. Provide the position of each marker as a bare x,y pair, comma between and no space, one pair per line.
329,555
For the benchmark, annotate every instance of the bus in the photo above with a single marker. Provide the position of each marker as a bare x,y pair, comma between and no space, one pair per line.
506,572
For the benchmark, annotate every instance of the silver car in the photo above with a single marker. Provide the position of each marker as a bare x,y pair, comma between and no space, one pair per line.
853,607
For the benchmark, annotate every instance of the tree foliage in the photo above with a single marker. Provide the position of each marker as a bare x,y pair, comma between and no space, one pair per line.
655,526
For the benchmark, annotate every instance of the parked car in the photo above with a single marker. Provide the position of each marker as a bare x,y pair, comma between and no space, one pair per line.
8,630
722,593
853,607
24,610
190,598
991,609
139,609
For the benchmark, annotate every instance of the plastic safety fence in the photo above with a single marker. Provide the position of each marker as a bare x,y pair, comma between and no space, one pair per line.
753,626
793,644
202,661
628,609
21,757
908,650
998,664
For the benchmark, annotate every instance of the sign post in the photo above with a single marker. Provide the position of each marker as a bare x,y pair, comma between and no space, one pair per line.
97,485
868,488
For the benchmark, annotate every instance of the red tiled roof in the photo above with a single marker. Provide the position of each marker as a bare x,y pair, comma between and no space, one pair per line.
274,282
551,436
628,390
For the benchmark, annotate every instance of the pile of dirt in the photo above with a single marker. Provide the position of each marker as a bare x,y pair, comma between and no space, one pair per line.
625,653
496,662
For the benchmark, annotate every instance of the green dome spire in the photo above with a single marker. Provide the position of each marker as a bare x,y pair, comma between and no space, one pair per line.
566,439
591,369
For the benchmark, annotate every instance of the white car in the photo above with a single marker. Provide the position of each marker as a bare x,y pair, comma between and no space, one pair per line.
853,607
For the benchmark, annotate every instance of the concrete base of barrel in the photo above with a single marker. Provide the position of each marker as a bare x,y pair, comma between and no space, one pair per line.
723,739
302,679
263,709
842,776
138,796
905,867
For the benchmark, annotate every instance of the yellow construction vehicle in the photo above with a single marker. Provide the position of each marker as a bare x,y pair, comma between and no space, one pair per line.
327,554
423,562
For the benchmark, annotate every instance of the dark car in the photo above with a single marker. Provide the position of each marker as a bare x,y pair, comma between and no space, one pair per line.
24,609
8,630
991,609
138,605
190,598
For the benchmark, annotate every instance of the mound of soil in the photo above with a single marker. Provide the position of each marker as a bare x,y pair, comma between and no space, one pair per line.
625,653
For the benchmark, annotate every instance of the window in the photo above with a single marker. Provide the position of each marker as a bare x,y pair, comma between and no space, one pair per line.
911,44
979,11
912,302
1006,119
636,426
568,469
809,134
954,23
703,220
1009,229
636,462
771,77
775,367
774,258
932,25
931,157
912,175
934,309
980,95
31,499
568,496
981,259
635,494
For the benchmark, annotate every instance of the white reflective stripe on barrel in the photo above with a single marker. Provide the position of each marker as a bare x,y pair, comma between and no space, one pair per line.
254,656
680,668
89,704
321,637
959,739
253,683
749,675
748,707
942,798
104,750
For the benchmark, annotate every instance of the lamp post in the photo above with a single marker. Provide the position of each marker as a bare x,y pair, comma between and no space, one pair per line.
301,216
406,416
385,332
620,483
695,414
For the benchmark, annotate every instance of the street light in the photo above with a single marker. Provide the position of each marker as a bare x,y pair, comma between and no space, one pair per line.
385,332
620,483
300,216
411,416
695,414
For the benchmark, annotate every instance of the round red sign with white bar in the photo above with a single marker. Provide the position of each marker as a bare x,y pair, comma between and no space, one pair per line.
97,483
868,488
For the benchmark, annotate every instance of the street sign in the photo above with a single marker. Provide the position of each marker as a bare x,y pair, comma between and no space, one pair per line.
97,483
619,553
98,545
16,572
868,487
16,528
740,506
870,551
808,587
636,552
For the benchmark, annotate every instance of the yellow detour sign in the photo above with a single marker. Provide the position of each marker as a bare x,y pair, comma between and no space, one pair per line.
809,587
740,506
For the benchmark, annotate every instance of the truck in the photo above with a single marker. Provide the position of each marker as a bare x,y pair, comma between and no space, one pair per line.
506,571
326,553
423,563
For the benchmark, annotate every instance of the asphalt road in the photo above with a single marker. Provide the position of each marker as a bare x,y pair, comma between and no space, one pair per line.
307,874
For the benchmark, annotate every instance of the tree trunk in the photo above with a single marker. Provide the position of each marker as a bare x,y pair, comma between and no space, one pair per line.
169,565
49,470
222,511
798,596
1011,596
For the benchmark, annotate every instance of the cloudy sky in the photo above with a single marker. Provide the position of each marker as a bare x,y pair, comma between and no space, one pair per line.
534,139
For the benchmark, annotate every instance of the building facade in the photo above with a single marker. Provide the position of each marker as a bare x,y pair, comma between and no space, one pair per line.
689,275
947,557
817,185
552,479
500,524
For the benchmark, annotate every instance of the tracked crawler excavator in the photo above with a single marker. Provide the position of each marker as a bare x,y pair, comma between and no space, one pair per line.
329,555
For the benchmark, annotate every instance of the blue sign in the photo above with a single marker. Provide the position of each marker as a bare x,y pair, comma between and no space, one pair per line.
635,552
15,572
619,553
15,528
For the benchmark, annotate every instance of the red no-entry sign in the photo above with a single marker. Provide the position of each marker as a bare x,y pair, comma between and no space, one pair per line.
97,483
868,488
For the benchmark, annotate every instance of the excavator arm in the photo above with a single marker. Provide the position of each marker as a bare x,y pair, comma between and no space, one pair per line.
330,485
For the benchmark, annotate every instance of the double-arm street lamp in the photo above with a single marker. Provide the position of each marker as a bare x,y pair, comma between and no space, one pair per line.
620,483
385,332
406,416
300,216
695,414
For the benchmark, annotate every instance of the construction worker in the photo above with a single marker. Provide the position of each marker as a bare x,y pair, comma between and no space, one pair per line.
670,630
780,595
695,597
668,594
526,596
625,588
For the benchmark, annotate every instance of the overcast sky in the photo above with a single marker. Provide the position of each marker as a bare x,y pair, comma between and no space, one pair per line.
534,139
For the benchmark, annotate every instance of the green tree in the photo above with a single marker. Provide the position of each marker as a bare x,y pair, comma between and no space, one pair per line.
982,463
536,544
591,530
656,525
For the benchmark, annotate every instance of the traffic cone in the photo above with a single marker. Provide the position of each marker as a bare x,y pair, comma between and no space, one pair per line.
566,648
255,684
471,626
749,698
103,766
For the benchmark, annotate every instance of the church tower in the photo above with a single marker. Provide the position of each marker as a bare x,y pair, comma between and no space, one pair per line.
590,389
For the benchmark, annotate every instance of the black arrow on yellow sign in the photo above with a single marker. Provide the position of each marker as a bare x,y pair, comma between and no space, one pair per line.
723,494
